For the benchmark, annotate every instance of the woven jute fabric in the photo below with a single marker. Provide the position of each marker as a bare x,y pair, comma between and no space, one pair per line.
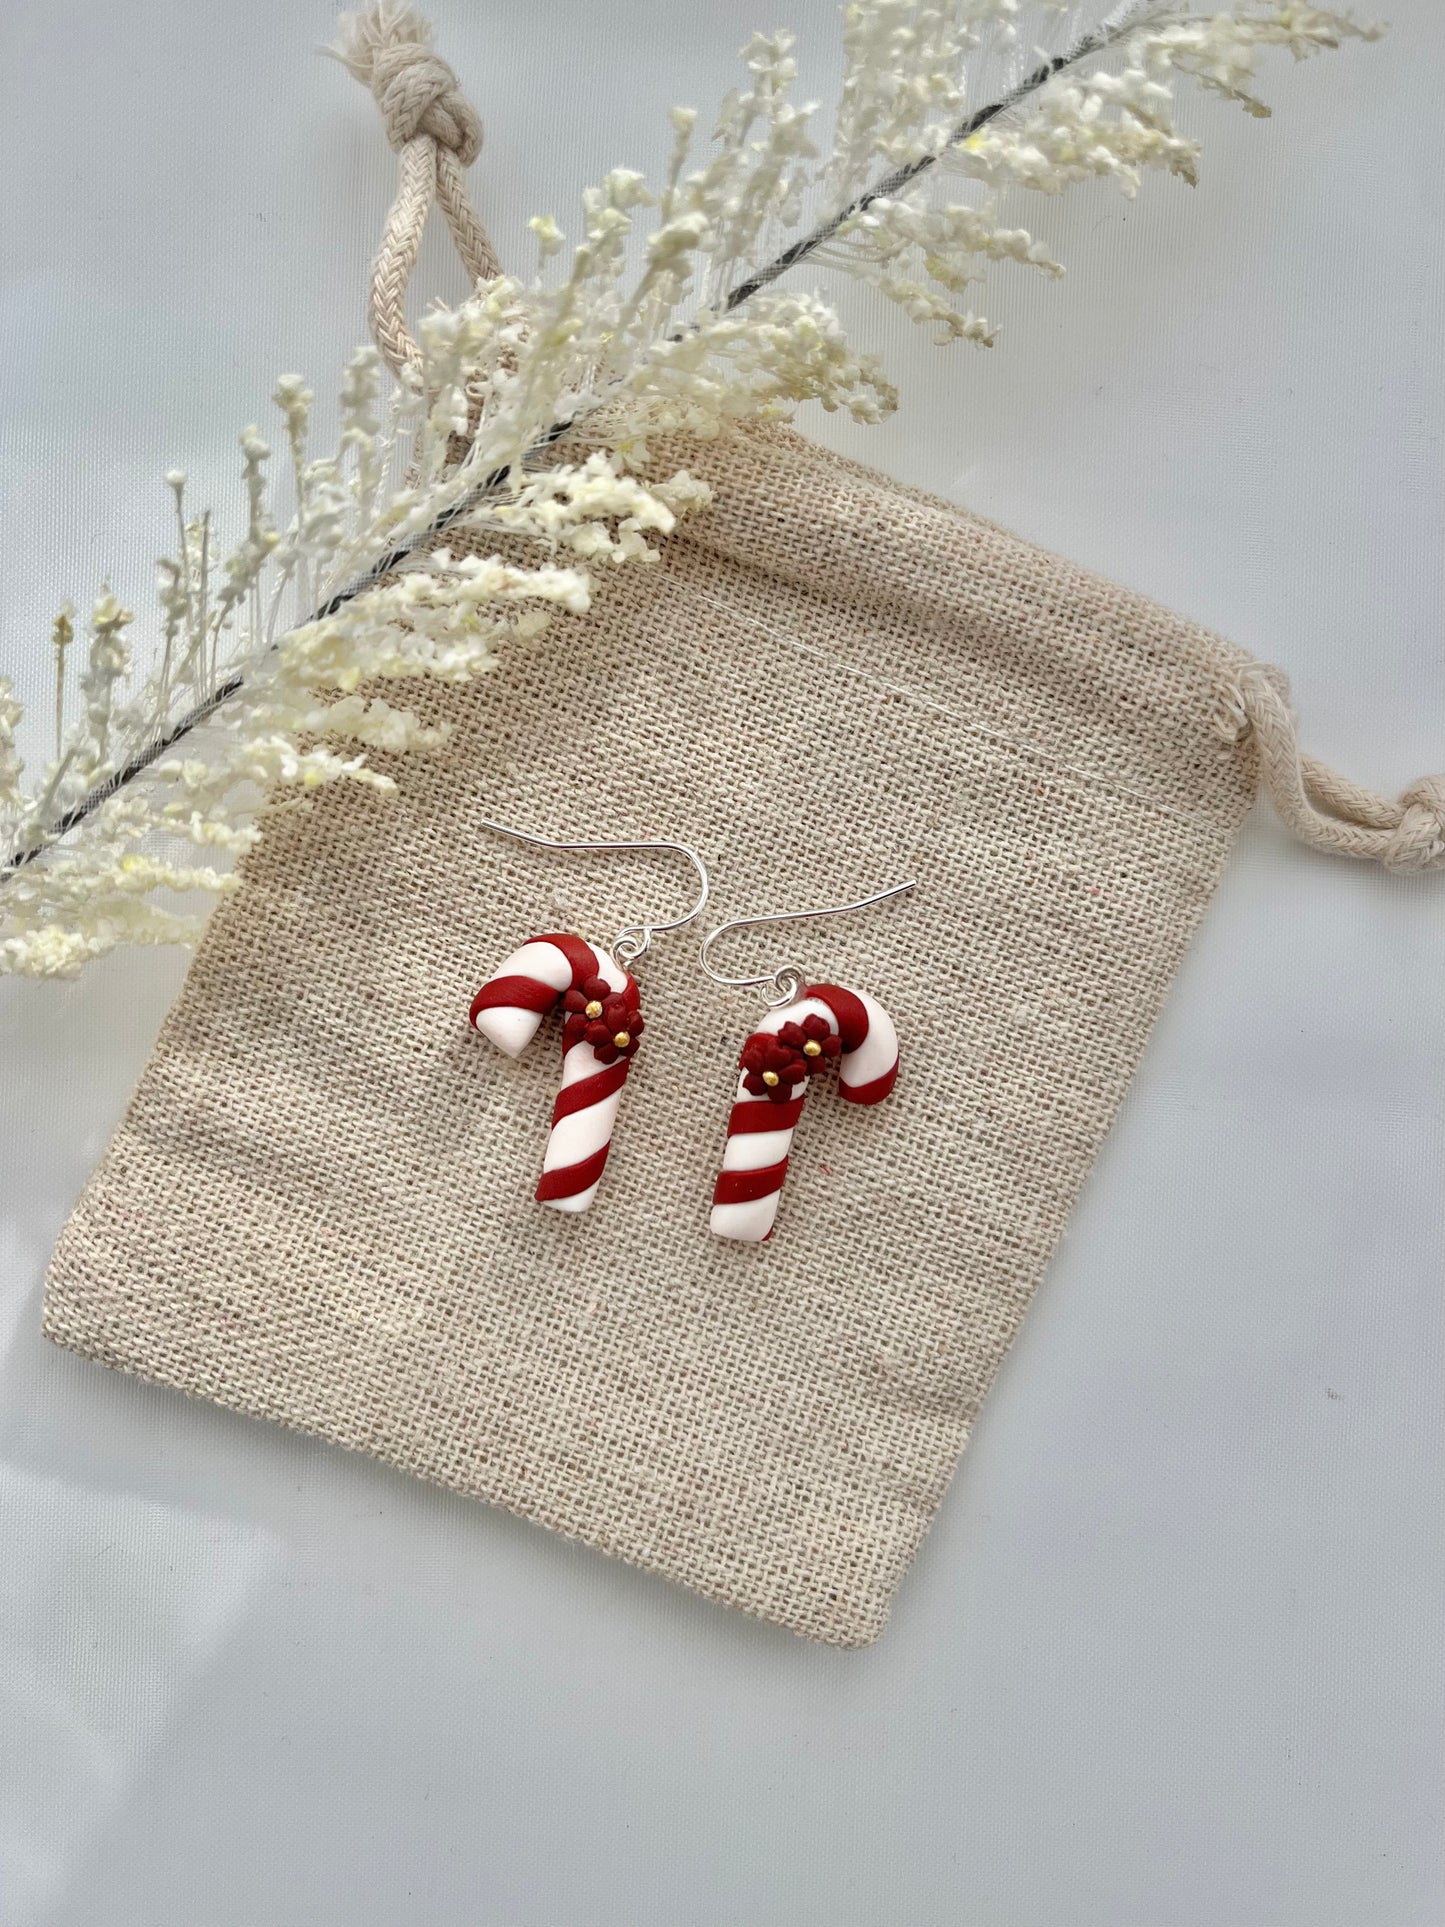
318,1208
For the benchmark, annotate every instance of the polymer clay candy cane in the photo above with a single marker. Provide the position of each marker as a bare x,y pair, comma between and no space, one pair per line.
826,1025
599,1037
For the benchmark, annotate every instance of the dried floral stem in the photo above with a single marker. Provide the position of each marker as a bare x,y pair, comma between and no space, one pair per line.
1098,40
142,760
1110,30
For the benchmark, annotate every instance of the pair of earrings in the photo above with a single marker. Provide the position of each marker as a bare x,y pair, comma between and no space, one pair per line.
807,1028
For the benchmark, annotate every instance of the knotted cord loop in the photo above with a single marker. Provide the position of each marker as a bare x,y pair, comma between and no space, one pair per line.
418,93
1322,807
437,134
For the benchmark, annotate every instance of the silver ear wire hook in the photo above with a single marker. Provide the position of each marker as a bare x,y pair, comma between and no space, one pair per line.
787,979
629,944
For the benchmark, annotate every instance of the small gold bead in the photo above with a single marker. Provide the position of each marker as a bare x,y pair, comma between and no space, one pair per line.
594,1009
622,1039
812,1048
770,1078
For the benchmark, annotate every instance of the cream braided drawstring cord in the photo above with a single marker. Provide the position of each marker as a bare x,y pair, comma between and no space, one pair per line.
437,134
1323,808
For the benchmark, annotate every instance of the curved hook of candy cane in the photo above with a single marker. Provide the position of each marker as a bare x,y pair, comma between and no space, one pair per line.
630,943
787,979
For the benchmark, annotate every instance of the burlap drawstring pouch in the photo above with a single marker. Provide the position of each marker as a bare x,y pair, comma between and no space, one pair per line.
318,1208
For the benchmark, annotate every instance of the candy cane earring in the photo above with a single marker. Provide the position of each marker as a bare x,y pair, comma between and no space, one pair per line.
806,1029
600,1033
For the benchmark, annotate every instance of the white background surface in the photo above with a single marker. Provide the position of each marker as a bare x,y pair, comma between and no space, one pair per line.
1170,1657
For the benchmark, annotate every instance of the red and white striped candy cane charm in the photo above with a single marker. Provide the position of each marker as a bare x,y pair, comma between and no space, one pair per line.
599,1037
787,1049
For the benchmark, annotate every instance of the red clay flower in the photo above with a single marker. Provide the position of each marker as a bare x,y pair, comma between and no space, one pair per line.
591,990
610,1021
772,1068
813,1039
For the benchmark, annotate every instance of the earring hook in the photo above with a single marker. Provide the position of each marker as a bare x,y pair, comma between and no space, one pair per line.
787,979
629,944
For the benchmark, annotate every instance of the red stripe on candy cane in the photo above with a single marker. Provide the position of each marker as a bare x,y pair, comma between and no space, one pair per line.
560,1187
577,1097
765,1117
513,993
871,1093
741,1187
581,956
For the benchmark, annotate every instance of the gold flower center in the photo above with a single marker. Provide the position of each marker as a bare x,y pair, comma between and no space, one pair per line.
770,1078
622,1039
812,1048
594,1009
